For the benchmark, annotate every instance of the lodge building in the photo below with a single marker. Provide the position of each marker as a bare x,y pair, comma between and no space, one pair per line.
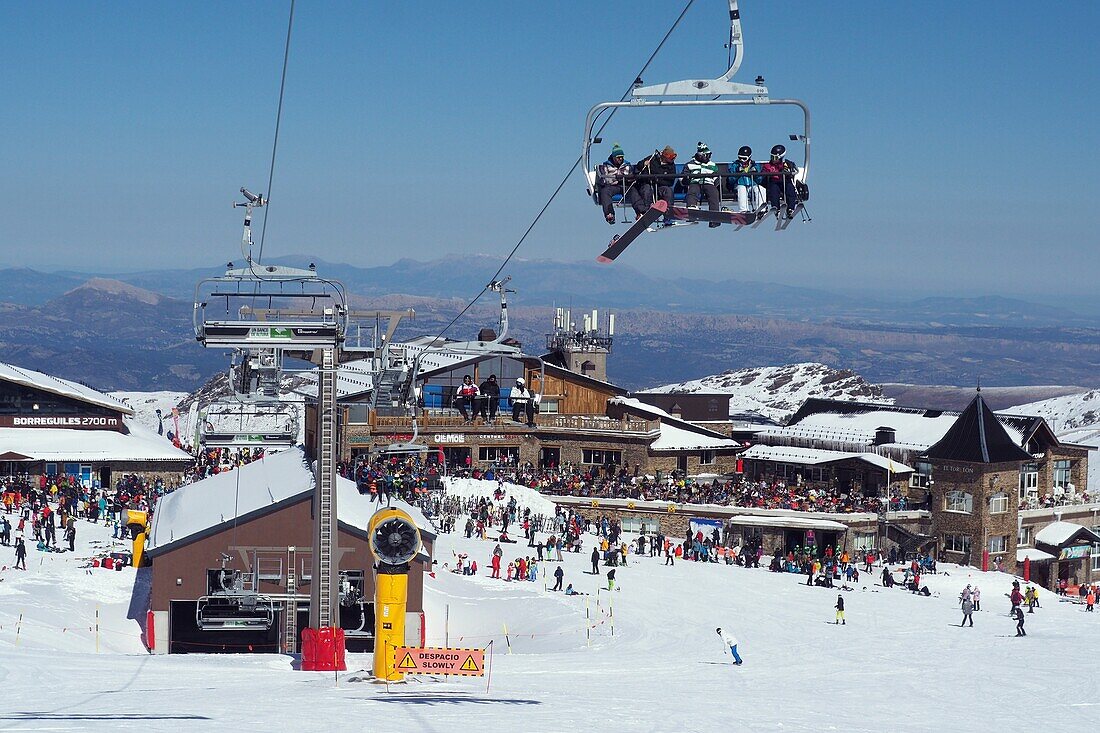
51,426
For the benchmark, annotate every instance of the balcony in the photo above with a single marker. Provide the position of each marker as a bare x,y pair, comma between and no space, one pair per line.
545,422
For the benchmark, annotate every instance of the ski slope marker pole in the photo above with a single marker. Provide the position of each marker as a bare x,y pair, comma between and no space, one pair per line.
447,625
489,671
611,613
587,625
18,626
506,639
97,628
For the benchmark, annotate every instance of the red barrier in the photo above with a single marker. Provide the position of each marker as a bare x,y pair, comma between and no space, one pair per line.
150,631
1027,569
323,650
985,561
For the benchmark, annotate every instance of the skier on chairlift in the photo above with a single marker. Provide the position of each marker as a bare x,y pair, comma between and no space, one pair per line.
750,194
701,181
661,164
616,176
781,190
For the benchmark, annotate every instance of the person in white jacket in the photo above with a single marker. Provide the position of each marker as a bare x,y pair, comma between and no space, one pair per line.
731,641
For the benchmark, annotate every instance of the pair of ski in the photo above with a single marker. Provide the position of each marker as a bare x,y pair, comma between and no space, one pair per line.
620,242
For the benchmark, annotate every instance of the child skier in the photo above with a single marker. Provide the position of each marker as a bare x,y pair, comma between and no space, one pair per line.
730,641
840,611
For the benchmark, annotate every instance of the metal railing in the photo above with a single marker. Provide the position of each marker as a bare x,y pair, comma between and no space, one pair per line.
429,421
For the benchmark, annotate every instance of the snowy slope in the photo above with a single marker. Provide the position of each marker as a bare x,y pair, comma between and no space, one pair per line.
1065,413
146,404
776,392
896,665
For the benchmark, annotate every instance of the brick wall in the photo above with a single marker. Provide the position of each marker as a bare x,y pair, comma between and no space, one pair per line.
981,481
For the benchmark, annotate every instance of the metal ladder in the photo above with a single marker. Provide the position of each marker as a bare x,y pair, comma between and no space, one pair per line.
326,495
290,625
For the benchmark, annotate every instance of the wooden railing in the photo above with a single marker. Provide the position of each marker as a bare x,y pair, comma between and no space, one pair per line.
428,422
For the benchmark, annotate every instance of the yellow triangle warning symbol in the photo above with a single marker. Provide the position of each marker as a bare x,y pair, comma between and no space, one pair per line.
407,662
469,665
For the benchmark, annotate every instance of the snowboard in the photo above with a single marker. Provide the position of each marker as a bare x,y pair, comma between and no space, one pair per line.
737,218
620,242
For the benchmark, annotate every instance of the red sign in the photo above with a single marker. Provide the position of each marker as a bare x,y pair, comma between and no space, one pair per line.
439,660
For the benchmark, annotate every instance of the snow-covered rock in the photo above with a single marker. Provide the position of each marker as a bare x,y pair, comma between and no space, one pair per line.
777,392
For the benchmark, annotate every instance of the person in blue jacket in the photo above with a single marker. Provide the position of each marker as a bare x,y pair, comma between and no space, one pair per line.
750,194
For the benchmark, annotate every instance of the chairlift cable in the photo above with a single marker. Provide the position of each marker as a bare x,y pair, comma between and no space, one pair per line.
564,180
278,120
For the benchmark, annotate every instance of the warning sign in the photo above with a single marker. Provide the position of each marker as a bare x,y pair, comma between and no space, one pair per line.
439,660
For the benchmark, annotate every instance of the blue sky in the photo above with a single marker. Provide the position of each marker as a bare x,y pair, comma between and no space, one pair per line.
955,144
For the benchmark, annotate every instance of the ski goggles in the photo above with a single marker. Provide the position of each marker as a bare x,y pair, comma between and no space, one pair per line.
743,158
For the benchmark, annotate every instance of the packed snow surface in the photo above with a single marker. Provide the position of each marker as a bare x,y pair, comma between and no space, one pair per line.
901,664
777,392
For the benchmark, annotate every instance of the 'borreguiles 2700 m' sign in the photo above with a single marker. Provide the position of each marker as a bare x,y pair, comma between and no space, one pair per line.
69,422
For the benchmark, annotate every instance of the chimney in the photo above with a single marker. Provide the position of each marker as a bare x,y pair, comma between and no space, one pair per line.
885,435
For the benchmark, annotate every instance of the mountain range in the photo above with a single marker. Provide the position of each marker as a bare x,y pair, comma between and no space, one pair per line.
133,330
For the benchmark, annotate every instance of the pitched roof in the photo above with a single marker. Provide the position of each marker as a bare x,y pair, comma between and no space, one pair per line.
977,436
277,480
58,386
138,443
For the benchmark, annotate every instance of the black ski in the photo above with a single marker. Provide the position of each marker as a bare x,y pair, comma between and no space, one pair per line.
621,241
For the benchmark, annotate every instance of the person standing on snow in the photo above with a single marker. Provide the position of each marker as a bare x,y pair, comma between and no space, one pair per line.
20,554
976,596
968,612
611,579
595,560
1015,598
1018,613
730,641
559,574
840,611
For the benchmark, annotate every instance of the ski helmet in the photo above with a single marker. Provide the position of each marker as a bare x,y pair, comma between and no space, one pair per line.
744,152
778,151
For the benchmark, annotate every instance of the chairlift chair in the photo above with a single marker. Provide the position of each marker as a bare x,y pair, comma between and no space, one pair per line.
230,606
691,93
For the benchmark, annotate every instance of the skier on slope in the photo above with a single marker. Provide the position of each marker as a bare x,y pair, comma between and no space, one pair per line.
731,641
595,560
840,611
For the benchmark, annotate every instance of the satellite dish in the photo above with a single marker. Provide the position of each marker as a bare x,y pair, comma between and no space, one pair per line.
395,539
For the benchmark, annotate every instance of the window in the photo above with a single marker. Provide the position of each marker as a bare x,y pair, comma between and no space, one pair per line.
51,469
549,406
1095,556
1029,480
358,413
864,540
498,453
637,524
959,543
599,457
922,477
1061,474
706,458
958,501
1023,537
998,544
998,503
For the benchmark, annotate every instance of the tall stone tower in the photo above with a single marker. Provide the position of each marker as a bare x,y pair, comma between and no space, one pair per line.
582,350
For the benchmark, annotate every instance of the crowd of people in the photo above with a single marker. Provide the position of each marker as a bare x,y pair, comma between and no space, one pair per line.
212,461
615,482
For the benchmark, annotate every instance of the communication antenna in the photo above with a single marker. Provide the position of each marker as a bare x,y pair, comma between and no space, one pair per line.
253,201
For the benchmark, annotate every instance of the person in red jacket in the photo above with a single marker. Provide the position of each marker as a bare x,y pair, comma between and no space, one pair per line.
1015,597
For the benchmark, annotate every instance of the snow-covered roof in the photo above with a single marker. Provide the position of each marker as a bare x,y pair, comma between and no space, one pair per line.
1057,534
59,444
274,479
788,522
58,386
352,378
676,438
914,429
817,456
676,433
1030,553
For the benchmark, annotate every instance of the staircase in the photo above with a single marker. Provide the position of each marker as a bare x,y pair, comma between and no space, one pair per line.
386,399
908,542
